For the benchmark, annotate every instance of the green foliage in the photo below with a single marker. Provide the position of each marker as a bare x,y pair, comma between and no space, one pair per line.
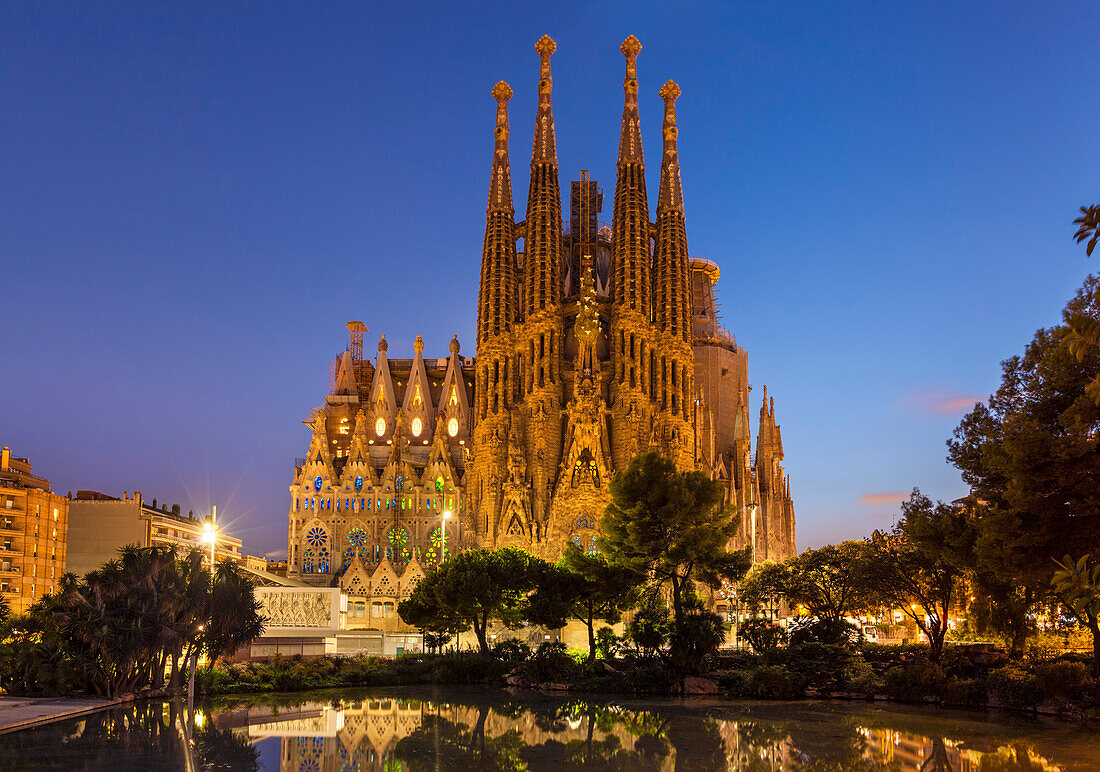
763,635
695,638
911,567
823,666
828,581
916,682
473,588
776,682
551,662
607,643
586,587
1031,460
1078,586
511,651
1015,687
839,632
115,630
649,629
1088,227
1063,682
673,528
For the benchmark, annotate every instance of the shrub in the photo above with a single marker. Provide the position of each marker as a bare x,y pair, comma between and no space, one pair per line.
1014,687
822,665
834,631
512,651
551,662
916,682
777,683
735,683
1063,682
764,636
607,643
964,691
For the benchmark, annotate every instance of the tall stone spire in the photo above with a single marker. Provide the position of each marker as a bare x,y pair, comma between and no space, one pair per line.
497,298
543,246
631,291
671,297
630,284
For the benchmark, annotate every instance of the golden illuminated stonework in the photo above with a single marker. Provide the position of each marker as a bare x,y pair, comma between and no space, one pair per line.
594,343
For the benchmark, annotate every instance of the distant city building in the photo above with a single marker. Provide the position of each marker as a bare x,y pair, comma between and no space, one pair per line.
100,525
33,523
595,343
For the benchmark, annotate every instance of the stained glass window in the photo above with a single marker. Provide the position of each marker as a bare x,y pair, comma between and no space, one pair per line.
439,483
359,483
380,426
316,536
307,562
452,427
317,482
398,484
398,537
417,427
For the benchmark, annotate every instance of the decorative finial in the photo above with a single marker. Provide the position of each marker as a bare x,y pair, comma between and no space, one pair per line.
418,344
454,344
502,92
545,48
670,92
382,345
630,47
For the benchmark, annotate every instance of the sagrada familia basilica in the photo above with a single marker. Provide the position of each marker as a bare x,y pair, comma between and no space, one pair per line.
594,344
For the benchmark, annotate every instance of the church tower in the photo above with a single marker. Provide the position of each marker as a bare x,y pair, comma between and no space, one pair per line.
674,362
631,342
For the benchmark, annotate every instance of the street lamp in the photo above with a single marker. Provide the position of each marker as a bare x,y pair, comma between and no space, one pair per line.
210,530
443,536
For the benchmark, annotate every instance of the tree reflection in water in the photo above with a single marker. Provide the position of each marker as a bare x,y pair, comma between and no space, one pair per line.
485,730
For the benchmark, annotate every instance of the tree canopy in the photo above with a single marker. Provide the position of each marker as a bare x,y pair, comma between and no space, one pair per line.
586,587
1032,459
473,588
672,527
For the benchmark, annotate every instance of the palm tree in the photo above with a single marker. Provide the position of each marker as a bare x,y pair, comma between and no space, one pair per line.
1084,331
1088,227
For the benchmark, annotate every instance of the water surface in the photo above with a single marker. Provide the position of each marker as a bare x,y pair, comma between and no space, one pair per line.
481,729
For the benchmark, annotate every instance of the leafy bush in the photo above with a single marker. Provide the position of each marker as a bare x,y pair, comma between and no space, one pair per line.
1063,682
916,682
964,691
821,665
735,682
823,630
551,662
695,639
763,635
777,683
607,643
1015,687
512,651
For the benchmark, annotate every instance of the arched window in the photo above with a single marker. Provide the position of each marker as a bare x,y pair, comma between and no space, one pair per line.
308,564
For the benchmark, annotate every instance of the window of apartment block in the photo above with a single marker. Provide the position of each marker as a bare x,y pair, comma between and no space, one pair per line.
55,514
37,510
9,502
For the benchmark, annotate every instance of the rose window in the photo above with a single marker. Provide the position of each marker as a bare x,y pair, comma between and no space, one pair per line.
398,537
316,536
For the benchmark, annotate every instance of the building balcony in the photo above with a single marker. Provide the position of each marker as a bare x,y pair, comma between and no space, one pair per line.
10,525
9,570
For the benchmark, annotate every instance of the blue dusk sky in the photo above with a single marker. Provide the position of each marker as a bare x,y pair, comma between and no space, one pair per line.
195,198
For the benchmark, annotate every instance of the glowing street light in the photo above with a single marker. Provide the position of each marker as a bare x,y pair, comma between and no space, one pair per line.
210,534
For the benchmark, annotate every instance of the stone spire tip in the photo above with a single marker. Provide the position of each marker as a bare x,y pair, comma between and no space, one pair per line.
630,47
546,47
670,92
502,92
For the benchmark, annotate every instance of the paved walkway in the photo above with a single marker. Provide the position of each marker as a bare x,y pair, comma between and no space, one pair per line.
24,712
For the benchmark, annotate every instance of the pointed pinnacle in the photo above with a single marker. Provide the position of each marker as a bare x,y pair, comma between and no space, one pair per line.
502,92
630,47
670,92
546,46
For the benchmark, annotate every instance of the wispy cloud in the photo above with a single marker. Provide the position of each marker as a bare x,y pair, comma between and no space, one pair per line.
275,555
884,497
942,402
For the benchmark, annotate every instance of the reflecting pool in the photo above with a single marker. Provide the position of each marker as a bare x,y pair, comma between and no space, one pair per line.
481,729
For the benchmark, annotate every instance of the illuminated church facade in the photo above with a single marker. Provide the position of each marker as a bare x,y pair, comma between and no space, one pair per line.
595,343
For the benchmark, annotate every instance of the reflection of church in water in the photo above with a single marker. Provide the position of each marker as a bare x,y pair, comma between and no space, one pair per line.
594,343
